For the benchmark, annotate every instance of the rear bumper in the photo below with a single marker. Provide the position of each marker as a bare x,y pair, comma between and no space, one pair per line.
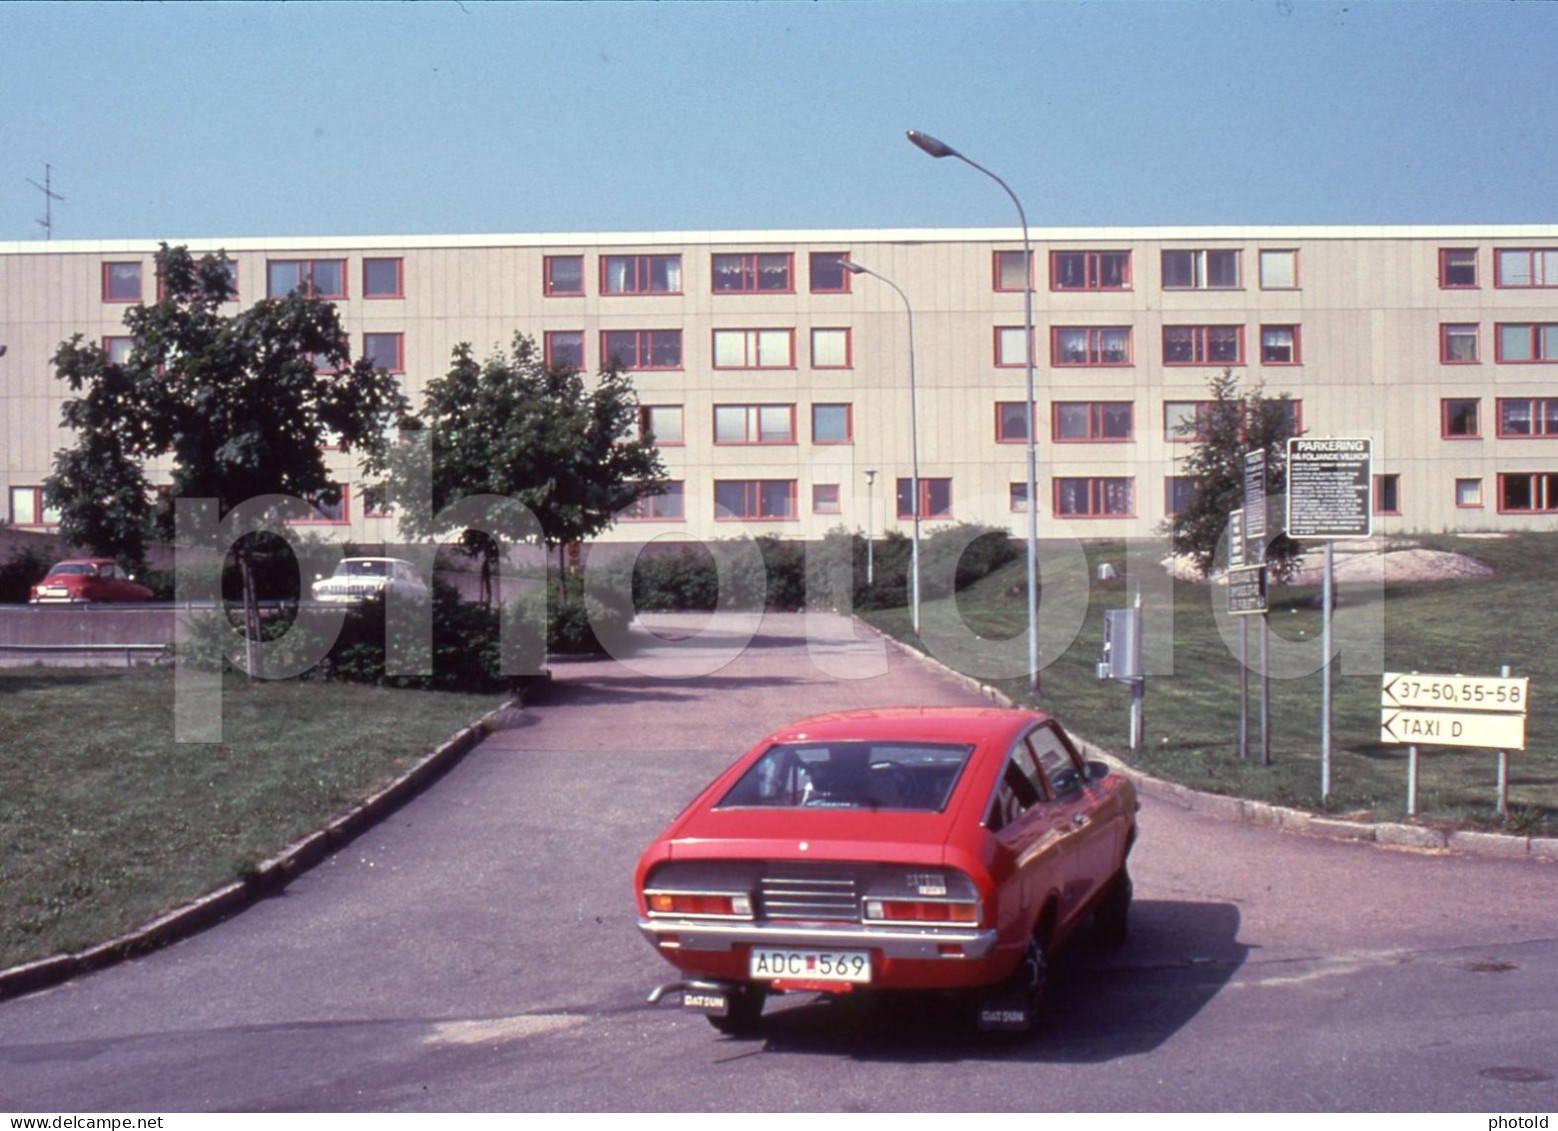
890,942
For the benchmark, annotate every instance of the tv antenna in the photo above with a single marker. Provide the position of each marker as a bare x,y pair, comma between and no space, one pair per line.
49,197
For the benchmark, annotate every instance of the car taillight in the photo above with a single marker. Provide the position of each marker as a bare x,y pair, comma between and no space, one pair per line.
689,903
921,911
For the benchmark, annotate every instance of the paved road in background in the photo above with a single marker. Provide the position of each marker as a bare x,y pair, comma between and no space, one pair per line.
478,951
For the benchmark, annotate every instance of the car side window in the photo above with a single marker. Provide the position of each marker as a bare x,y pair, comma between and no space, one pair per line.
1063,769
1019,790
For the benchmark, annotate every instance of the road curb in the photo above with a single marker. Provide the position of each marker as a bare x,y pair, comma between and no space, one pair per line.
1392,835
267,877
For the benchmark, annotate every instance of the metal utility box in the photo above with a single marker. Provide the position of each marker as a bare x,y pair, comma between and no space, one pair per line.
1122,645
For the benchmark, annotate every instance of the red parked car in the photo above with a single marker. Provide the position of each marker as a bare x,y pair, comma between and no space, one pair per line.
903,849
79,581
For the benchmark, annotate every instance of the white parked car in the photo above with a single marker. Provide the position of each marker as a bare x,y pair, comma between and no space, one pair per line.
357,579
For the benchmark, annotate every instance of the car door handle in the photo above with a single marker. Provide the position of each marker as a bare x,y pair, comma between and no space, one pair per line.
1080,819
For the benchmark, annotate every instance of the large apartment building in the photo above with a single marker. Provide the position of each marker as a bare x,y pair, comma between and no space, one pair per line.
778,384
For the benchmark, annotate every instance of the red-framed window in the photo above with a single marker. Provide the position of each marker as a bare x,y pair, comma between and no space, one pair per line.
1203,345
1278,269
641,274
831,348
1533,492
1090,270
374,505
754,424
118,348
1460,343
1460,418
1387,493
643,349
935,498
232,283
1526,343
1010,349
1468,494
1522,418
1095,496
827,274
1011,422
825,498
1457,268
1185,422
321,278
754,349
1090,345
383,277
1011,271
1279,345
754,273
330,507
1201,269
28,509
832,423
563,275
754,500
667,506
663,424
565,347
1017,497
1177,490
1525,267
1092,421
386,351
121,282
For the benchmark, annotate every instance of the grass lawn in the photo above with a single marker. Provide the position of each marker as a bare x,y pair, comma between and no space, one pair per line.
1444,627
105,821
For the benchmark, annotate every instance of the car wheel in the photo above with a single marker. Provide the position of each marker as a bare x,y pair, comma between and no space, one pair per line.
744,1014
1115,909
1015,1005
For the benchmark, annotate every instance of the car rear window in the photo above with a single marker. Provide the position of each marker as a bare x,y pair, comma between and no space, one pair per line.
851,775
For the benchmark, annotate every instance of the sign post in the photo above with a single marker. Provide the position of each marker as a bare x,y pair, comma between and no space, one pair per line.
1329,483
1236,560
1256,538
1454,710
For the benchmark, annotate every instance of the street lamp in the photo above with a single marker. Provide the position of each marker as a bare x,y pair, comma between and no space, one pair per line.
941,149
870,509
914,445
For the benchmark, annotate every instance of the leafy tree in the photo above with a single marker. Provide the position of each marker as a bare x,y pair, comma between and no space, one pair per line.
519,429
238,405
1227,427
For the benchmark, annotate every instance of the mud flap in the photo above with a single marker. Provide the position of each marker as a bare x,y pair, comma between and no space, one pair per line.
1004,1013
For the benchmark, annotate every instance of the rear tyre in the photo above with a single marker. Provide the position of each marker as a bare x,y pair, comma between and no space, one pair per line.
744,1015
1114,910
1014,1007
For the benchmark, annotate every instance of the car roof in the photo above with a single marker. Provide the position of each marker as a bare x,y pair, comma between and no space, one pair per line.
83,561
925,724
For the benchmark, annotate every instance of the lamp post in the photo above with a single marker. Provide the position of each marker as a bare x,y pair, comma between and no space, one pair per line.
941,149
914,446
870,512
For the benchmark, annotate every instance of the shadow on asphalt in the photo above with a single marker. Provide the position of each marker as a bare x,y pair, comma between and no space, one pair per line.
1101,1006
621,690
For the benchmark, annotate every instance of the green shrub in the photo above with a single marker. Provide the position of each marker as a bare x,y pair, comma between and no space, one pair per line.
20,572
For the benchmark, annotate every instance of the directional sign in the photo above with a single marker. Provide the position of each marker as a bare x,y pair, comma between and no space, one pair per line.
1454,692
1255,504
1453,728
1247,590
1328,488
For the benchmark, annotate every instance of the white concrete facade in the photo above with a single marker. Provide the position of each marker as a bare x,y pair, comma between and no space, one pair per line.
1441,344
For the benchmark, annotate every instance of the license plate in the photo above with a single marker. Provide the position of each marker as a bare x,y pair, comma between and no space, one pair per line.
778,964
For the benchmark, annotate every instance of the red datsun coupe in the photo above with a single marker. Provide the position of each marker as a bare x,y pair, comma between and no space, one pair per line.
902,849
83,581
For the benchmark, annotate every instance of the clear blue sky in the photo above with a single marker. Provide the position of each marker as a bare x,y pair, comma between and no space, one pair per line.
255,119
